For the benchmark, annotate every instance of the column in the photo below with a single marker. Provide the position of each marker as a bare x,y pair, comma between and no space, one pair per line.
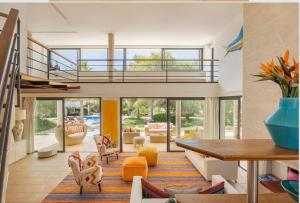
178,118
81,108
111,47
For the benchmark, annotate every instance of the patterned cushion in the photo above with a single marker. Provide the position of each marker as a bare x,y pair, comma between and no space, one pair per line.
150,191
157,125
90,161
215,189
74,128
182,189
75,156
94,175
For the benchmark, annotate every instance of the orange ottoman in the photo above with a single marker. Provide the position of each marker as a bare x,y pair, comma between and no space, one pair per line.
150,153
134,166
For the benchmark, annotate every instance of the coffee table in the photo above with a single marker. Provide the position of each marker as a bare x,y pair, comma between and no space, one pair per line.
251,150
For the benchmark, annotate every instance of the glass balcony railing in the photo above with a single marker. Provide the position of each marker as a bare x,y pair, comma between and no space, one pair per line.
129,65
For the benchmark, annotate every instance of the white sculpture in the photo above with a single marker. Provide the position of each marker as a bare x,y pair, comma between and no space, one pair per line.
19,126
18,130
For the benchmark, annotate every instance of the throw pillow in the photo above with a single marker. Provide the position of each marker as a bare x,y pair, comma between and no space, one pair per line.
215,189
292,174
150,191
182,189
106,140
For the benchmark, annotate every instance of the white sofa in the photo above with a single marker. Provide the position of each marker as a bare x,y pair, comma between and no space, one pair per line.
209,166
136,195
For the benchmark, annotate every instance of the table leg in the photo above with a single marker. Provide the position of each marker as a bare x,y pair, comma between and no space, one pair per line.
252,182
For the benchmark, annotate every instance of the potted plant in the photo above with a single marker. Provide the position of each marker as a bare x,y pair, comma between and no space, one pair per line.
283,123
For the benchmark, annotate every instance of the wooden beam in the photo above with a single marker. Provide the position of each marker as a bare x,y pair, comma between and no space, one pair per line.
6,37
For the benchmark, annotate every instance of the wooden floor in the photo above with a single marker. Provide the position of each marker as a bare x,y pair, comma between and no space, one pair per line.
31,179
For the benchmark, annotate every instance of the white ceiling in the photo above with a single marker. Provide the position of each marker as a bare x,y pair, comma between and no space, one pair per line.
133,24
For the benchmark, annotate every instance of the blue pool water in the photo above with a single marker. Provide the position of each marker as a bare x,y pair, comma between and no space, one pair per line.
92,118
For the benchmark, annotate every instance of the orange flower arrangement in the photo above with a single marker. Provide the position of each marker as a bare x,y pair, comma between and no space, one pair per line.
284,74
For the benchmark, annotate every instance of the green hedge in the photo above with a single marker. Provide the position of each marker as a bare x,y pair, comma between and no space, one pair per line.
162,117
43,124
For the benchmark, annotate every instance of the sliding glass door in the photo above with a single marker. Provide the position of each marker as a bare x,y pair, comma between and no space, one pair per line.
48,123
230,120
82,122
230,114
143,122
186,117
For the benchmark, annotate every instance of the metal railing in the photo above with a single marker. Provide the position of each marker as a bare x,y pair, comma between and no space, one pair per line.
9,79
47,63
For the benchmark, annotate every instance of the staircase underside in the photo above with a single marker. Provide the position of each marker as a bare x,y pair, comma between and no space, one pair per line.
31,82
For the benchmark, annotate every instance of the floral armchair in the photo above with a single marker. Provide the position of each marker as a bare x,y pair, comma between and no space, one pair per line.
87,171
106,147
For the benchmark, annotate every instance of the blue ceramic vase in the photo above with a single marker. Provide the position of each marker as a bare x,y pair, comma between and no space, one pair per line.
283,123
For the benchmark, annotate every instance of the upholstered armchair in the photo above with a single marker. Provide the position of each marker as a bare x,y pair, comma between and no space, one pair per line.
106,147
85,172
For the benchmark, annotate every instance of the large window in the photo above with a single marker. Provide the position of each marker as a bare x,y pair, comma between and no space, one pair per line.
119,56
158,122
230,114
48,121
183,59
145,118
93,60
186,118
143,59
82,119
135,59
67,62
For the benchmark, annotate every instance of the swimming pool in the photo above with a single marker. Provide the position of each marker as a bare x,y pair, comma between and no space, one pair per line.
92,118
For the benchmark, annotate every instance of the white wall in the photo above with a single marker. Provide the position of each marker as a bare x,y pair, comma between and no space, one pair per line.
133,90
266,37
4,8
231,66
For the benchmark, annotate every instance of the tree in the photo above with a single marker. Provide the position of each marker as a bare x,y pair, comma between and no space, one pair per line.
84,66
154,63
46,108
229,105
192,108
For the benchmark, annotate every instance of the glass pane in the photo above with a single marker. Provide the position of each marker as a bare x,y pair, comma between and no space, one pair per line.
48,120
118,56
144,60
144,119
59,63
182,59
186,120
93,60
229,119
82,118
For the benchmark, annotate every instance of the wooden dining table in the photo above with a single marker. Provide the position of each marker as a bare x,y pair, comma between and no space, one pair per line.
251,150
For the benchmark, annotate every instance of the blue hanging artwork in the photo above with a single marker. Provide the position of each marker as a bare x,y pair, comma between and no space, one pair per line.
237,43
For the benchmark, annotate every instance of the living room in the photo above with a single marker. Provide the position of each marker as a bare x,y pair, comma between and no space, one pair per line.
129,97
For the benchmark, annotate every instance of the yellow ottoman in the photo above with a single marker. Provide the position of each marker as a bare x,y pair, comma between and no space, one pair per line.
134,166
150,153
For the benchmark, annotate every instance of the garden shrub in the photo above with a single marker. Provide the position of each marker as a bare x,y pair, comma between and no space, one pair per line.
162,117
43,124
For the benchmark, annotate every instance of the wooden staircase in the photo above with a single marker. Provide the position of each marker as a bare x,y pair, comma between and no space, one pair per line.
32,82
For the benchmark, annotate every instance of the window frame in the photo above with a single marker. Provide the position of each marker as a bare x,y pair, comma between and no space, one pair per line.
239,99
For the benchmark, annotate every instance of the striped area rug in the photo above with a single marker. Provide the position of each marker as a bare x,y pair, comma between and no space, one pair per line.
173,169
